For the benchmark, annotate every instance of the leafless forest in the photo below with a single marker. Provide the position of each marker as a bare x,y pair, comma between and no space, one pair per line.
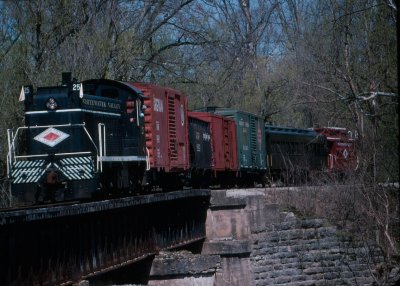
298,63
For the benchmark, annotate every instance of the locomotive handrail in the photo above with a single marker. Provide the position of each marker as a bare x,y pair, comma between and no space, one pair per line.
47,126
147,159
10,136
102,145
91,140
56,154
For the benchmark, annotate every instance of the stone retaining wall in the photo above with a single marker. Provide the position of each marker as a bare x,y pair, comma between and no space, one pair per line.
250,242
287,250
308,252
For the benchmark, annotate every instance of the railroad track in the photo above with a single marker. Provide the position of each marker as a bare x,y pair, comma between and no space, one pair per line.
37,206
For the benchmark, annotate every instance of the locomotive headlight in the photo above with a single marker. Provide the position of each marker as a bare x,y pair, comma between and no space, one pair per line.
51,104
81,172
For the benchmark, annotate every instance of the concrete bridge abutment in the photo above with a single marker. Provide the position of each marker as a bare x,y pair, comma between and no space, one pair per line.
226,251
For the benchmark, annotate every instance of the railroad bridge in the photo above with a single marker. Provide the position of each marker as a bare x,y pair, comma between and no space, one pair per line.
63,244
236,237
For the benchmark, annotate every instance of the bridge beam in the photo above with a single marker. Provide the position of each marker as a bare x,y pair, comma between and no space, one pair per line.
66,244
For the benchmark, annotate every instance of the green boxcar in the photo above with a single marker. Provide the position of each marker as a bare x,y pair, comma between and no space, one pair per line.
250,138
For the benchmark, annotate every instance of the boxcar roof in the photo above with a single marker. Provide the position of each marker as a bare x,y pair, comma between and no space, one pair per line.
224,110
289,130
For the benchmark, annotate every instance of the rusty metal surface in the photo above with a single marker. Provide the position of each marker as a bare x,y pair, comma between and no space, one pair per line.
63,246
166,127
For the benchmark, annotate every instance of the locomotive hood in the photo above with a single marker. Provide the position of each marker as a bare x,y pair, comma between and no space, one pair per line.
88,88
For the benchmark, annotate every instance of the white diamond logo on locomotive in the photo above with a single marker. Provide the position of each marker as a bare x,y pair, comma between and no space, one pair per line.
51,137
345,153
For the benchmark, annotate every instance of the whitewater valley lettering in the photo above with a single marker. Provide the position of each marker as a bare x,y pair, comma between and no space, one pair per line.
101,104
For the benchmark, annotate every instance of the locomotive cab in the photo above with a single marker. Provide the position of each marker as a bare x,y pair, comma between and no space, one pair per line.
116,115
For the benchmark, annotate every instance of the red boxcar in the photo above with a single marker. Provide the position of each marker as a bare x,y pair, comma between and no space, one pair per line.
223,141
341,149
166,127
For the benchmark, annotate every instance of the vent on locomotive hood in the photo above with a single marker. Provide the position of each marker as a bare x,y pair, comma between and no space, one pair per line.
51,137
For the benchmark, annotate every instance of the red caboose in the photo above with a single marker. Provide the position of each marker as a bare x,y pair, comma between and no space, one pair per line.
166,132
341,149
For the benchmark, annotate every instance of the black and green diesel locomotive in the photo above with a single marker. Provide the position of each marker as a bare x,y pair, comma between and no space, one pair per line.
76,139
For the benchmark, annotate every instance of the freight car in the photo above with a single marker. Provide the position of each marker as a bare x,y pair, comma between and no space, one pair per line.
250,145
166,135
214,143
294,154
